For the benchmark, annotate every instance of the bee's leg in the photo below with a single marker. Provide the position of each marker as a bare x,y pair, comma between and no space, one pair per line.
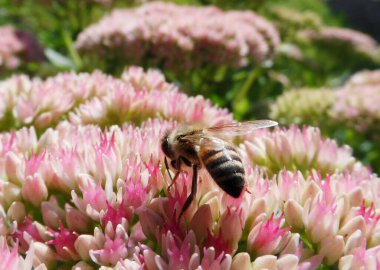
167,168
178,164
193,190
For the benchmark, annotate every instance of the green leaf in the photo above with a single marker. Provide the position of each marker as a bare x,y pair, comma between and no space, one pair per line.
59,60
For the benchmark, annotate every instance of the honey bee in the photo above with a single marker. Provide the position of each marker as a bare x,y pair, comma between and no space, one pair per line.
208,148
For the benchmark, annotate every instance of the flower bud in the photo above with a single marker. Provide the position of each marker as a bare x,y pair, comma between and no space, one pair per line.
14,166
52,214
201,222
17,212
241,261
76,220
293,214
10,193
265,262
332,248
84,244
34,189
287,262
82,266
43,254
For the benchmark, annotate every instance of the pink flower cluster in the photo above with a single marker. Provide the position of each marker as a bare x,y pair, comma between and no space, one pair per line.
181,36
299,149
99,99
359,41
17,46
355,104
95,194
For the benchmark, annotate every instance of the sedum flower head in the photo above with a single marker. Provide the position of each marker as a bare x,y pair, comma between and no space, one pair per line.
99,99
353,105
356,40
298,149
286,18
81,192
303,106
356,102
365,77
180,36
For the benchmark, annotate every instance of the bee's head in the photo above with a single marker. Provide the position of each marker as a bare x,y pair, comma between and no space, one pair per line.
166,146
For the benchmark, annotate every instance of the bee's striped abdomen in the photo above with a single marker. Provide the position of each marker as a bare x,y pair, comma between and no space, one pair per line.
226,168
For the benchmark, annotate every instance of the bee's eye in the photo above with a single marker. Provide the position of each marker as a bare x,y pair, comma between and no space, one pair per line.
166,147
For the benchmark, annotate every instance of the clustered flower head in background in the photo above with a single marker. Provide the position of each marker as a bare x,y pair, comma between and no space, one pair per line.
78,190
99,99
359,41
178,37
355,104
16,47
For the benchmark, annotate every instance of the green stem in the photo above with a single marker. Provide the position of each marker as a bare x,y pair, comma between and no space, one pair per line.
241,96
71,50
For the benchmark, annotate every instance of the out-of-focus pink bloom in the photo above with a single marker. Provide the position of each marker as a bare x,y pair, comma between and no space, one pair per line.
355,106
291,50
359,41
181,36
352,105
366,77
17,46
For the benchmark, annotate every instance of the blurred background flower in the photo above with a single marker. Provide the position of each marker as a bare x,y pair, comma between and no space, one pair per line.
18,47
180,37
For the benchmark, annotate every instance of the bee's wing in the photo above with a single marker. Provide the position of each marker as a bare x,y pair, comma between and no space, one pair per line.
204,140
236,128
